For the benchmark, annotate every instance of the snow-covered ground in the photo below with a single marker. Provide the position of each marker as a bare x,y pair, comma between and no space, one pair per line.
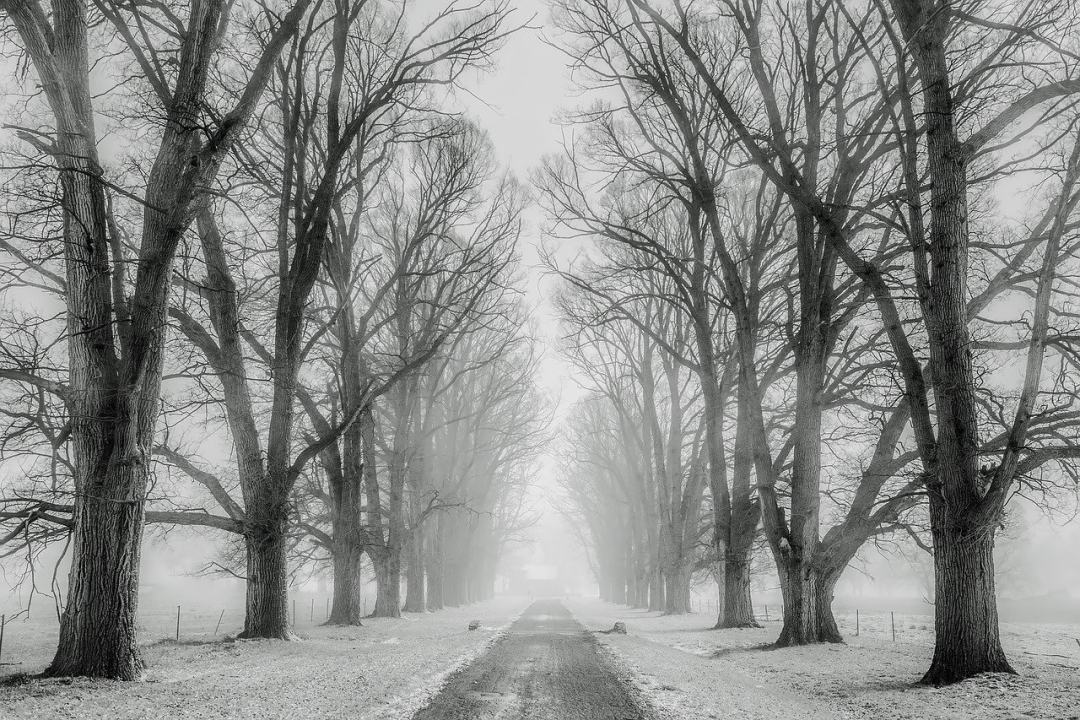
382,671
689,672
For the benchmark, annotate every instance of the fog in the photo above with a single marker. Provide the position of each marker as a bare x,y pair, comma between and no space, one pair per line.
372,325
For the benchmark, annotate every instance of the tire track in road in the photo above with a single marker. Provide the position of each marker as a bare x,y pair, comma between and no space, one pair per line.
547,667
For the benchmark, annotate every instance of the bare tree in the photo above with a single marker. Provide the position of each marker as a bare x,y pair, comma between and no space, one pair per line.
116,326
325,140
969,100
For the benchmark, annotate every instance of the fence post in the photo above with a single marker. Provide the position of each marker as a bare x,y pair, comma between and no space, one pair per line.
313,610
295,620
892,619
856,622
327,608
3,622
177,623
766,613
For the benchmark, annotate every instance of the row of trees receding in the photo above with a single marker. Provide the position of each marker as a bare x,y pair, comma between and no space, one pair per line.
823,293
261,279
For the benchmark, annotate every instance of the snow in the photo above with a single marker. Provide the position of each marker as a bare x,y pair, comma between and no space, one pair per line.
383,671
388,669
689,672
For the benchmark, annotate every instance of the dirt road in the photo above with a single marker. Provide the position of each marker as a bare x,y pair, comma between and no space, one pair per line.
546,668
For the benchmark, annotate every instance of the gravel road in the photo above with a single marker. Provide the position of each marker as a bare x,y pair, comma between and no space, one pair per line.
547,667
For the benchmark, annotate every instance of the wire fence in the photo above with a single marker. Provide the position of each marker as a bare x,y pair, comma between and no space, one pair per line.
30,639
881,624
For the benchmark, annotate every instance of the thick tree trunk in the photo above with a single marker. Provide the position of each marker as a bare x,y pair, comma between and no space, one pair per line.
97,630
803,592
387,584
415,590
825,586
738,608
436,586
384,560
966,638
802,623
267,608
639,591
346,507
396,532
677,597
965,613
656,591
346,607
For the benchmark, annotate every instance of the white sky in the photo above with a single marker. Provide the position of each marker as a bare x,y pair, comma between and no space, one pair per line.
517,104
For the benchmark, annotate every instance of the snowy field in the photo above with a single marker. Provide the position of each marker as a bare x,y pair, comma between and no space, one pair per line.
387,669
382,671
691,673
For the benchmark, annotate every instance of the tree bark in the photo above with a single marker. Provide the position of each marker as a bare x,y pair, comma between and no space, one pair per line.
267,606
436,590
743,517
98,627
619,584
657,592
346,607
806,594
415,589
738,609
825,586
962,525
387,584
677,595
966,636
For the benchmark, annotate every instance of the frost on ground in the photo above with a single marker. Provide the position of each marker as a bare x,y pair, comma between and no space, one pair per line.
689,672
382,671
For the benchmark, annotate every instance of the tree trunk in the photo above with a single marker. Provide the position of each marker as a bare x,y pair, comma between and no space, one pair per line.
738,607
436,591
396,532
639,587
97,630
825,586
346,608
267,609
656,591
677,597
415,596
738,610
966,635
387,584
965,614
804,594
801,619
346,506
